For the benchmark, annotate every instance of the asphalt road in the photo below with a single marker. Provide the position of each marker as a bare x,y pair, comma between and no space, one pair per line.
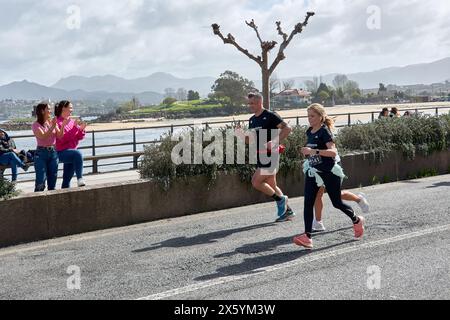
241,254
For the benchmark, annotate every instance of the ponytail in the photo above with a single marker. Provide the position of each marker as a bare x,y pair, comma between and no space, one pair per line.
329,122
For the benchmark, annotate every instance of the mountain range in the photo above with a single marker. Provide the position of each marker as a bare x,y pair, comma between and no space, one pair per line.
149,90
424,73
25,90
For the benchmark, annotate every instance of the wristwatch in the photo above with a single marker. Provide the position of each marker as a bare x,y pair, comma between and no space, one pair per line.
317,151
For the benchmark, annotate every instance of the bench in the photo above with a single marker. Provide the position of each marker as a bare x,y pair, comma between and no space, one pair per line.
95,159
3,168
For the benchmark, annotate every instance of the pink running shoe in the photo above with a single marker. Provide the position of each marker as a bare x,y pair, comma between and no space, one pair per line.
359,228
303,241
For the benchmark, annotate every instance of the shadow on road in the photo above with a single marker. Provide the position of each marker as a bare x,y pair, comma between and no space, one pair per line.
270,245
251,265
439,184
201,238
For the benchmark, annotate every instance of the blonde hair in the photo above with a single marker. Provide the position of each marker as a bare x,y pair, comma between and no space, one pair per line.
320,110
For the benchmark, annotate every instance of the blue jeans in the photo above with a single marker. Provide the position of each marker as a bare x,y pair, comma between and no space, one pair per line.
46,167
73,163
12,160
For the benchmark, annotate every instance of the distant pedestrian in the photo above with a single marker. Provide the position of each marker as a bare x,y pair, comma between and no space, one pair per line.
384,113
394,113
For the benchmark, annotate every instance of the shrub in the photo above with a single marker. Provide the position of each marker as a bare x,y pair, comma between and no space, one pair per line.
7,189
412,135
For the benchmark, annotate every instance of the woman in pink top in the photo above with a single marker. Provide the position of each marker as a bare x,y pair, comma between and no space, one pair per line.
46,158
66,146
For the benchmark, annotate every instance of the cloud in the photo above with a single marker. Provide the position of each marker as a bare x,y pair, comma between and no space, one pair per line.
135,38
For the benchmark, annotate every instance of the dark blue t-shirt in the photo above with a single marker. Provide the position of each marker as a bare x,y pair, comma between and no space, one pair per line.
267,120
319,140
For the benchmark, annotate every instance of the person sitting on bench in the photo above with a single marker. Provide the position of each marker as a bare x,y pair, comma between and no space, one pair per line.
9,155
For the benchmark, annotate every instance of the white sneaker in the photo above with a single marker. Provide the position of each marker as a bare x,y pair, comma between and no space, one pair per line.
318,226
81,183
363,203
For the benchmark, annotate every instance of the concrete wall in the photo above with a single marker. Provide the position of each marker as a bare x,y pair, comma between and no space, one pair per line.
64,212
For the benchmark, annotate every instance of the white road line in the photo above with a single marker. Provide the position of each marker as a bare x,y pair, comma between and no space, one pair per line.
294,263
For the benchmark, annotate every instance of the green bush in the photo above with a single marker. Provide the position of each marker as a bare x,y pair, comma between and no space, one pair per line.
157,164
412,135
7,189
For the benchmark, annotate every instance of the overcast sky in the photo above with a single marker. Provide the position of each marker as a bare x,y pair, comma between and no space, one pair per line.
43,40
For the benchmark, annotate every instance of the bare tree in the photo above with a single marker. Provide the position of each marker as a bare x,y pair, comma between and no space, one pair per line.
274,85
170,93
312,85
288,84
181,94
266,46
340,81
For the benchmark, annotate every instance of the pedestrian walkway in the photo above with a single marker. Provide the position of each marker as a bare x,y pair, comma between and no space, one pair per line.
90,180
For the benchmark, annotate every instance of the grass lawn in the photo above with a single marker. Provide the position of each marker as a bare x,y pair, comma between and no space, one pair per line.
178,106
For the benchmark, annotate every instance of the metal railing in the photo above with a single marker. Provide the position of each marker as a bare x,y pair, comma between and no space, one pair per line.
94,158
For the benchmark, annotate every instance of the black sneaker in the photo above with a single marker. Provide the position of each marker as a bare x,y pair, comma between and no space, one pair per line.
288,215
25,167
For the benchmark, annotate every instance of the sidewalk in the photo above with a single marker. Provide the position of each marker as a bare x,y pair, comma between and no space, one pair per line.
27,187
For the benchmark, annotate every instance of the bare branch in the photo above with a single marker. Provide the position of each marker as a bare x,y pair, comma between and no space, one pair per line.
252,25
231,40
298,29
280,31
268,45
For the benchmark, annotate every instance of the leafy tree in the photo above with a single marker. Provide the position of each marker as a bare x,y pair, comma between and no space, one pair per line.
193,95
323,96
169,101
323,87
351,87
382,90
232,85
340,93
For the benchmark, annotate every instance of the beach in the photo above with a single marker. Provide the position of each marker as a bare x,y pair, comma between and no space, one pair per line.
141,123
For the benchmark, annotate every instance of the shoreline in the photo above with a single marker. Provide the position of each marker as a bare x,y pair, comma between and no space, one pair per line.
149,122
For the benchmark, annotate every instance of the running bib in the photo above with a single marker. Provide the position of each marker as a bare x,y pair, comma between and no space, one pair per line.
314,160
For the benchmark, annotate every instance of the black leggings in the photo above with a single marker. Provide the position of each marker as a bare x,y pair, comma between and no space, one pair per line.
333,185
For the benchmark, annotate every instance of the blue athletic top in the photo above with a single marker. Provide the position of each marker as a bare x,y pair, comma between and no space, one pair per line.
319,140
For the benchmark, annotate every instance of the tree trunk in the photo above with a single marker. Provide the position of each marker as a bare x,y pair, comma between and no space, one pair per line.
265,80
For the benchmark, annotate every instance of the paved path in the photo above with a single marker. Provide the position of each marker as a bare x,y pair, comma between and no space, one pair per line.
241,254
